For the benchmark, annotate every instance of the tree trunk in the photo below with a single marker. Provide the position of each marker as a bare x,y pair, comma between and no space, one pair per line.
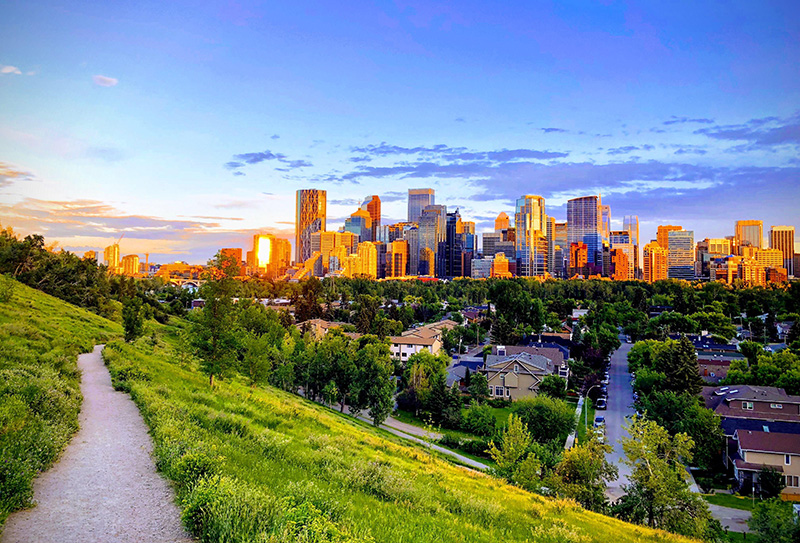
211,380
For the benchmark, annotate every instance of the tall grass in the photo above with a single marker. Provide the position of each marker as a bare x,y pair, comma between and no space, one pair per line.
263,465
40,338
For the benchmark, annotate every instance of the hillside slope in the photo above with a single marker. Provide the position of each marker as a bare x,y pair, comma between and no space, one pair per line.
264,465
40,338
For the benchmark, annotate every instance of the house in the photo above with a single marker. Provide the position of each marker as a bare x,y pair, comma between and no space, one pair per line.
318,327
757,450
752,402
516,376
402,347
552,351
713,369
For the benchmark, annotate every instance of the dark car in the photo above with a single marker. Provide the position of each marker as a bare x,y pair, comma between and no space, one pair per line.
599,421
600,404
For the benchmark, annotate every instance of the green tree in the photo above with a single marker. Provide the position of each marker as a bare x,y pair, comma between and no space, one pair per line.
374,381
553,386
513,447
584,473
772,482
444,403
546,418
677,360
774,521
658,494
479,420
132,320
213,335
256,362
478,388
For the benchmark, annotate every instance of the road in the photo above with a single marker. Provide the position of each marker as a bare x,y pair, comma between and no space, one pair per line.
620,402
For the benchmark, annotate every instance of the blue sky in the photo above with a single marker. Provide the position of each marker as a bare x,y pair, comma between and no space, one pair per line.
188,128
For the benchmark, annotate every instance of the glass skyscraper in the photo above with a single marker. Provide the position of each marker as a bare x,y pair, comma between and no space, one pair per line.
530,223
311,210
418,200
584,226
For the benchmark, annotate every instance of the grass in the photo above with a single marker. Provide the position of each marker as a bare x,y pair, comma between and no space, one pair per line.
733,501
263,465
40,338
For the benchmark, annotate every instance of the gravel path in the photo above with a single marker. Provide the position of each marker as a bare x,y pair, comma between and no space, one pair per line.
105,487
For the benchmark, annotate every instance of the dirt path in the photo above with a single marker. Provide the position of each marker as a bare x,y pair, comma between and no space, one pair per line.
105,487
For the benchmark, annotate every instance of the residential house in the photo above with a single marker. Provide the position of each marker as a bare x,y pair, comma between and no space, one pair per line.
518,376
752,402
757,450
402,347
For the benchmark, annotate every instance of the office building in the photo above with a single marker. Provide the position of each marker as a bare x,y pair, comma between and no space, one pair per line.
500,267
550,234
482,268
605,221
324,243
418,200
620,267
130,265
578,259
770,258
782,238
311,213
489,243
372,205
90,255
427,262
411,236
654,262
750,233
530,226
111,258
432,227
584,226
232,253
662,235
621,240
449,256
360,224
367,260
630,223
501,222
680,255
560,250
397,258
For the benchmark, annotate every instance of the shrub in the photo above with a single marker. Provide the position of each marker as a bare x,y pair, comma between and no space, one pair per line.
7,286
449,440
479,420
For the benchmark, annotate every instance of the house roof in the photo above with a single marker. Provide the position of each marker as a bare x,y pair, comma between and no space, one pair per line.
531,362
730,425
716,396
553,353
768,442
748,466
411,340
455,374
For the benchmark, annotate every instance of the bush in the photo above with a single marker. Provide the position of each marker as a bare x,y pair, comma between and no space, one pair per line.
450,441
7,286
546,418
479,420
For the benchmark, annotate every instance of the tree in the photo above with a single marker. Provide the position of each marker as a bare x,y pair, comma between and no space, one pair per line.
132,321
444,403
678,362
256,363
772,482
658,494
374,384
514,444
545,418
774,521
553,386
583,474
479,420
478,388
213,335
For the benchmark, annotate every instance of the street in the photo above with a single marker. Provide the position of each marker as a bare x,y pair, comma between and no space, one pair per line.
620,402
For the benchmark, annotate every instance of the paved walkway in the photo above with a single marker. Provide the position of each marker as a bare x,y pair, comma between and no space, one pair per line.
105,487
732,519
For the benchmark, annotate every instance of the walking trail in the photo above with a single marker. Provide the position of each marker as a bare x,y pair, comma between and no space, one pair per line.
105,487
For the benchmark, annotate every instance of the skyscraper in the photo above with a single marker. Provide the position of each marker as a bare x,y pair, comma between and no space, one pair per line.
418,200
662,235
584,226
501,222
450,250
530,224
655,262
680,256
111,258
360,224
782,237
311,210
621,241
605,221
432,227
750,233
372,205
550,234
630,223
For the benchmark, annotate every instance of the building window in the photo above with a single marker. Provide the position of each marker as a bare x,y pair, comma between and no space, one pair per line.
787,459
747,405
508,392
503,377
776,406
793,481
516,368
498,391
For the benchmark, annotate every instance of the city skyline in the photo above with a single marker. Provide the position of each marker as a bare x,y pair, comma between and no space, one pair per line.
666,112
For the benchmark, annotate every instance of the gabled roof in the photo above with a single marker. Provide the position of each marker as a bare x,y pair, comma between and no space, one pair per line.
554,352
412,340
730,425
768,442
532,362
716,396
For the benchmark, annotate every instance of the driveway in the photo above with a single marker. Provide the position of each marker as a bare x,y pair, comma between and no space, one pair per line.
620,402
731,519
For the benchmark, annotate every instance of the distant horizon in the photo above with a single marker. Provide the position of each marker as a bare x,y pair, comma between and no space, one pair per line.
190,130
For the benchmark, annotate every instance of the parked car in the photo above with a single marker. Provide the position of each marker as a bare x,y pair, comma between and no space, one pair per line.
605,381
600,404
600,434
599,421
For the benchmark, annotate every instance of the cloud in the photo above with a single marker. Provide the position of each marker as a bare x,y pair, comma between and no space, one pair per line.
550,130
460,120
682,120
104,81
764,132
274,137
240,160
12,70
9,174
629,149
444,152
109,154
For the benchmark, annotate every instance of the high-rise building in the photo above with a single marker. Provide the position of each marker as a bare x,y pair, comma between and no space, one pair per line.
111,258
397,258
500,267
655,262
680,255
560,249
530,225
620,268
621,240
630,223
232,253
490,241
584,226
449,257
501,222
262,252
750,233
719,246
130,265
432,227
360,224
662,236
372,205
550,234
770,258
411,236
324,243
367,260
311,214
782,238
418,200
605,221
427,262
90,255
578,259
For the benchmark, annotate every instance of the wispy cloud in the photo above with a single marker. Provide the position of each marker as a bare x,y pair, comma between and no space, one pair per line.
766,131
445,152
682,120
551,130
9,70
240,160
629,149
104,81
10,174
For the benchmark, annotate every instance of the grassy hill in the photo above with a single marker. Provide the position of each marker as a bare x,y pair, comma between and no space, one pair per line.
40,338
264,465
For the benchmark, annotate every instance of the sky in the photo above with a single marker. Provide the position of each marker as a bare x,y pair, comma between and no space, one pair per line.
188,126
